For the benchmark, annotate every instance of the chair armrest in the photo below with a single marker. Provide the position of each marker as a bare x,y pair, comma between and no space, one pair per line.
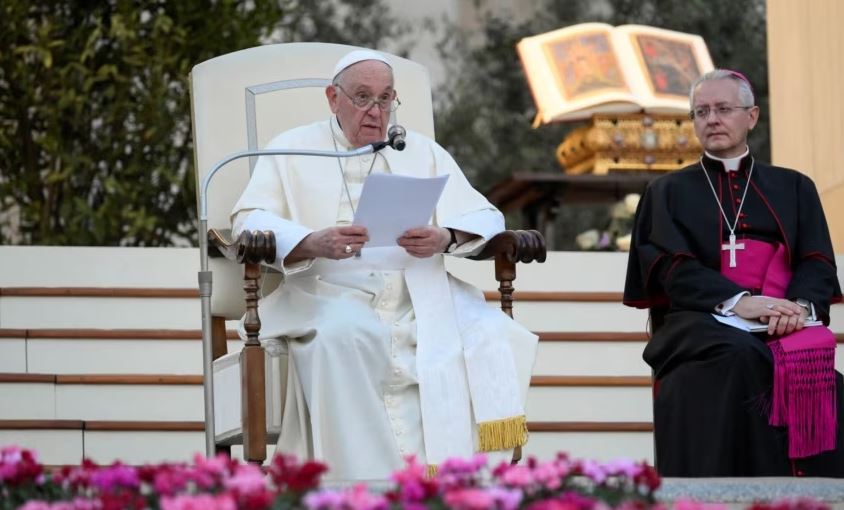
515,246
251,247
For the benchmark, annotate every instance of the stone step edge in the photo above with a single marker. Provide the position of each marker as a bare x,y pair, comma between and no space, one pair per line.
159,292
196,380
198,426
196,334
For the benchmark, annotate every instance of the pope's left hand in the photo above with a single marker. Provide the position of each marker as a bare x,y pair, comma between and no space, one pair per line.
424,242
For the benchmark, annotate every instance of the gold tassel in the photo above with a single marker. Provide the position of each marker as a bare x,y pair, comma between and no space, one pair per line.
432,471
537,121
502,434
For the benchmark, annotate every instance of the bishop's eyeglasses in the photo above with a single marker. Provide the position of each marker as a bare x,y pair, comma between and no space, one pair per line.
364,101
720,111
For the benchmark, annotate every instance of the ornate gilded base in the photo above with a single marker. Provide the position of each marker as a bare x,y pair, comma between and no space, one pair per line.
636,141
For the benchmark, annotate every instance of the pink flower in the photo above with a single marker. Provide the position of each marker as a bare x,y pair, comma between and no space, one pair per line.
413,485
594,471
199,502
624,467
548,475
463,466
209,472
76,504
36,505
468,499
115,477
505,499
359,498
517,476
170,480
413,471
247,479
19,466
323,500
288,474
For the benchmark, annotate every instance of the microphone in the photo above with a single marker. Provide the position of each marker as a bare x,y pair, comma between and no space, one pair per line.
395,139
396,135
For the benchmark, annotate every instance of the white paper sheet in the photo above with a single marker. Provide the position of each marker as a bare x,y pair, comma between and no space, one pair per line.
753,326
391,204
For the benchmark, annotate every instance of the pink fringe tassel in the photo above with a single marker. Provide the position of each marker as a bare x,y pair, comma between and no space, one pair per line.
804,399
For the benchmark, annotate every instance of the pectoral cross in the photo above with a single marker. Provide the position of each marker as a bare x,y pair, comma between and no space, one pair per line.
732,246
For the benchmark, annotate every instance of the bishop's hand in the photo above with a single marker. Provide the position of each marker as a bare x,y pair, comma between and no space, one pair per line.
781,315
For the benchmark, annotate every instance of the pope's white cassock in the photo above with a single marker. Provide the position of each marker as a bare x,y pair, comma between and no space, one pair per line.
390,356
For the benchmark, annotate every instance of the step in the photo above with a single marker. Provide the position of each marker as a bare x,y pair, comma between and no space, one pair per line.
121,312
589,399
67,441
179,308
180,397
60,442
101,397
177,352
598,445
105,351
56,442
572,271
80,266
592,353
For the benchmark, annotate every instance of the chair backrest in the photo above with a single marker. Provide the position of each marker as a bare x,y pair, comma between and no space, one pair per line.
241,100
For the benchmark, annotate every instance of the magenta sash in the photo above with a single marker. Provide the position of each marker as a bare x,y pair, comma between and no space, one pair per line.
804,397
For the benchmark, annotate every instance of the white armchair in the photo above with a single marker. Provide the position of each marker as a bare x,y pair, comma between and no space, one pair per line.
240,101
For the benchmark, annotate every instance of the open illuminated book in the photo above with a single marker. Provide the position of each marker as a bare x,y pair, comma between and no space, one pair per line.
754,326
577,71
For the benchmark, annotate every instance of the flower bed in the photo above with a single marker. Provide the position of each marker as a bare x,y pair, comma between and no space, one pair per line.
226,484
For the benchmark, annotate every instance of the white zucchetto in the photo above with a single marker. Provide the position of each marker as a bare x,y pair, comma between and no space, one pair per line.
356,56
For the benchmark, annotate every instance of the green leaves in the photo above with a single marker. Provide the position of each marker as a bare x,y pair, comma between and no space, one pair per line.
95,141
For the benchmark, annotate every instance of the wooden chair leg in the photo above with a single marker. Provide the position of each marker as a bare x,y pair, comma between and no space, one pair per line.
505,273
253,399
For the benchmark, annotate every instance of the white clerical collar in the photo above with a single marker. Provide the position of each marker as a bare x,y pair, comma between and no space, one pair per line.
730,164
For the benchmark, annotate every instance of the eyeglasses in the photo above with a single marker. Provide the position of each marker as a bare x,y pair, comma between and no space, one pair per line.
702,112
364,101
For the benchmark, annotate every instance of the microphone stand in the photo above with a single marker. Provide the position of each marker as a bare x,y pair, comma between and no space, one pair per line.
204,274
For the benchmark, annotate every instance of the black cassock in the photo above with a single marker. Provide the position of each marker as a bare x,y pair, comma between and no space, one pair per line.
713,382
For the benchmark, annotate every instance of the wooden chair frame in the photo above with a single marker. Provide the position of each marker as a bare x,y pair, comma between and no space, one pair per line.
252,248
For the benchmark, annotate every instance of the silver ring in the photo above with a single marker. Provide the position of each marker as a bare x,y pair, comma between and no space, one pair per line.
769,306
348,248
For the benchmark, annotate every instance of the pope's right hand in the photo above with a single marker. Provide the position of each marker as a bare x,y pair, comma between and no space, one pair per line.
332,243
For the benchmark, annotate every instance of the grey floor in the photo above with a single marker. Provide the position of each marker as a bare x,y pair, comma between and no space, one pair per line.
738,492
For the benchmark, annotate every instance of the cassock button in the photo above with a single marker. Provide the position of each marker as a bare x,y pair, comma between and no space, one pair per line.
800,472
738,200
735,186
744,225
